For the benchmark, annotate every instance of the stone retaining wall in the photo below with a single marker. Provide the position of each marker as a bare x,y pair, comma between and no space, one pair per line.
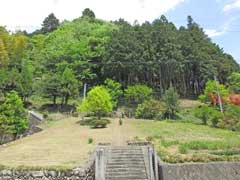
200,171
79,173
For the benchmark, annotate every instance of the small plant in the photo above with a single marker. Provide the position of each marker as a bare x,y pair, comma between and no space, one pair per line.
90,140
183,149
150,109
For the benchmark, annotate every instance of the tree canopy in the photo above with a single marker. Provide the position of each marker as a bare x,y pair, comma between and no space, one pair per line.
98,101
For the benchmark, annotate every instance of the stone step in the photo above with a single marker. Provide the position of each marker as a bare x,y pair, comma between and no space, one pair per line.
142,172
125,163
125,159
117,166
129,163
126,177
125,151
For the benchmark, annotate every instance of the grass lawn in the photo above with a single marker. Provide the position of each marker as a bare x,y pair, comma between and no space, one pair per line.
183,142
63,143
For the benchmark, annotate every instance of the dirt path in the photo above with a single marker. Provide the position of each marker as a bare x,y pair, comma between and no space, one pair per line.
121,134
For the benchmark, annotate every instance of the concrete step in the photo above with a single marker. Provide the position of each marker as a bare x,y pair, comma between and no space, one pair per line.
125,163
126,158
134,170
127,177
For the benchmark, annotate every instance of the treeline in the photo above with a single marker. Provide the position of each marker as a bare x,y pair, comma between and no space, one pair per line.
56,60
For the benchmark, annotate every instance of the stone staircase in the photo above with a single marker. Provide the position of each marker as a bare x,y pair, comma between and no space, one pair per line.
125,163
132,162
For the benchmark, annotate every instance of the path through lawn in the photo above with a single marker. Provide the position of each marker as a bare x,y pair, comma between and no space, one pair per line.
65,143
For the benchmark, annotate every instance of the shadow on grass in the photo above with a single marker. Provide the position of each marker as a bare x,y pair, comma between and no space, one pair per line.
57,108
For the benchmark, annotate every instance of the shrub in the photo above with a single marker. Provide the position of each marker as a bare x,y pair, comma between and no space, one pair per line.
90,140
211,88
171,101
150,109
208,114
99,123
138,93
231,118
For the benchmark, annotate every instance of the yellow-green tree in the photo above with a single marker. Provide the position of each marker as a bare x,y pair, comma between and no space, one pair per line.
3,55
98,101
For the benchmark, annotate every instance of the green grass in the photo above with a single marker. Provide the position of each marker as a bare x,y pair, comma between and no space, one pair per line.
178,141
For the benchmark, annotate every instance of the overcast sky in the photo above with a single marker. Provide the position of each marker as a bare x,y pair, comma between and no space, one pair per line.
219,18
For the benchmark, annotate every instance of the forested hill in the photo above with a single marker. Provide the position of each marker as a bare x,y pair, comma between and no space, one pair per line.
60,57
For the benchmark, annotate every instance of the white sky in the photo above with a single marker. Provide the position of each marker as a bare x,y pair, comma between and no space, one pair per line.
29,14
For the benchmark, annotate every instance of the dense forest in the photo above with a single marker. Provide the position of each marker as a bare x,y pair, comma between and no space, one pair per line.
56,60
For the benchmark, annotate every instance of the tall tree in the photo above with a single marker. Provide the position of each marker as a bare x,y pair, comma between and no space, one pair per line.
50,24
12,115
4,60
69,85
88,13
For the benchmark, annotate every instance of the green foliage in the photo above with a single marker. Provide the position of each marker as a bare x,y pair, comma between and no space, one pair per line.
203,145
88,13
209,115
211,88
4,59
231,118
98,101
138,93
12,115
234,82
51,87
150,109
99,123
226,153
90,140
69,85
50,24
171,100
115,90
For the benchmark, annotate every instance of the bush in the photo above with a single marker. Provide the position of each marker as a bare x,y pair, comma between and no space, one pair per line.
209,115
231,118
99,123
138,93
211,88
171,100
150,109
90,140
